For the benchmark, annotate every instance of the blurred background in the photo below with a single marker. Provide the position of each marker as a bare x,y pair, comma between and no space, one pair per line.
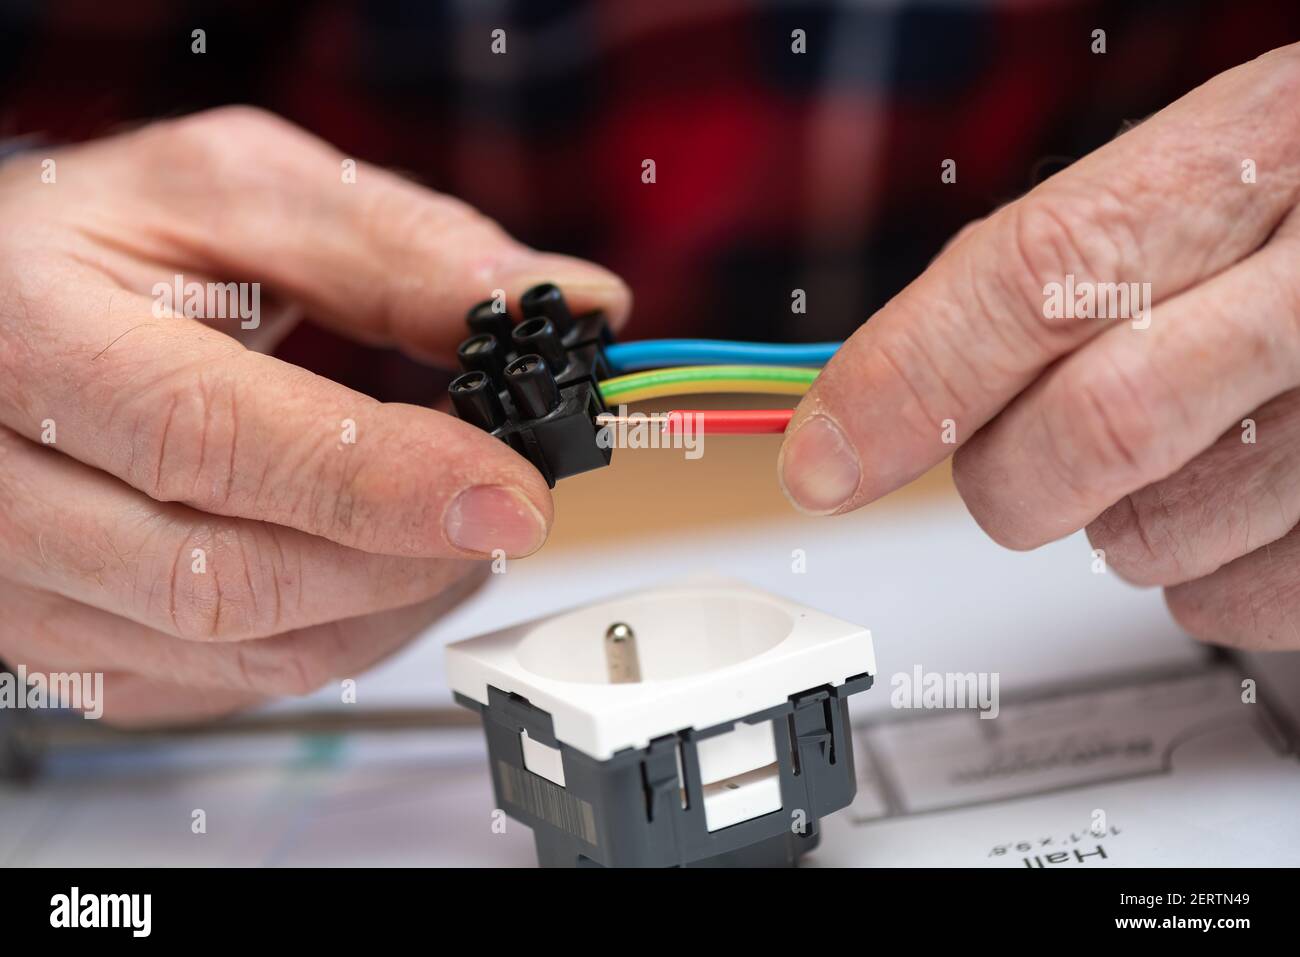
776,171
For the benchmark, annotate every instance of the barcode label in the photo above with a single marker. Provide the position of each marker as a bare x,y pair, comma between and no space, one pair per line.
547,800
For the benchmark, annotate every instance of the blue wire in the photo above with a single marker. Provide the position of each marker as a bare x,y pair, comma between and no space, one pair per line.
655,353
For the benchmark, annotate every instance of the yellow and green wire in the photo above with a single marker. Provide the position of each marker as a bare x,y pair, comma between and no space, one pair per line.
696,380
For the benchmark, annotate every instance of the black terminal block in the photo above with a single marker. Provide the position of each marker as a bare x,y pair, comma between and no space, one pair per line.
533,384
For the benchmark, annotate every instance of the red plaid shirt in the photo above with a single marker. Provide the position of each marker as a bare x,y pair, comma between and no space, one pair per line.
775,170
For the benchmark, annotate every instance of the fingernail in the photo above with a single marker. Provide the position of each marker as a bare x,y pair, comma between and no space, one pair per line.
611,295
584,284
486,518
819,469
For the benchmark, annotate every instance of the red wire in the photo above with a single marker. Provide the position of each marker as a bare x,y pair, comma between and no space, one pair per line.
728,422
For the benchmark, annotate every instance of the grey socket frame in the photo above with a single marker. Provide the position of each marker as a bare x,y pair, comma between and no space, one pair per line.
627,811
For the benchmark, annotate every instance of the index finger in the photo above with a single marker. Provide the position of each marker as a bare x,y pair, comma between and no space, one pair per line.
239,193
949,352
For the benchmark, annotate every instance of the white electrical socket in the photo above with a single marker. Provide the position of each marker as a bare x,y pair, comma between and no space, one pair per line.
706,652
